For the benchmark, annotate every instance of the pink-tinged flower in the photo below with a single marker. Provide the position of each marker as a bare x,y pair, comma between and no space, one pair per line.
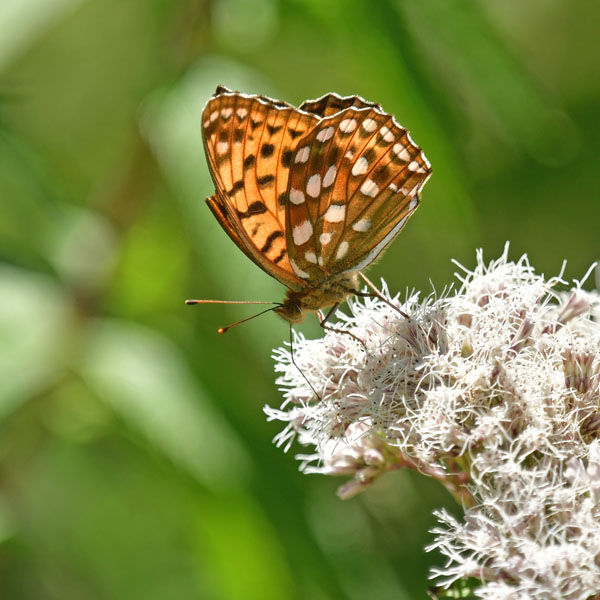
493,390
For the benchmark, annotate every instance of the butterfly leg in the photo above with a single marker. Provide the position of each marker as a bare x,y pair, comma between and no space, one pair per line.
329,315
377,294
326,327
297,367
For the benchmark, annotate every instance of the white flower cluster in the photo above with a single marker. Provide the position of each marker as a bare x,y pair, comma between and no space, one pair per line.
494,390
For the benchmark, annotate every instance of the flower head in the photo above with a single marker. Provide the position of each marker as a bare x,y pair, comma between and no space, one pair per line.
494,390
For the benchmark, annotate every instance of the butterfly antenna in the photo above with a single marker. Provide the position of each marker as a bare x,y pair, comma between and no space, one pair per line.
228,327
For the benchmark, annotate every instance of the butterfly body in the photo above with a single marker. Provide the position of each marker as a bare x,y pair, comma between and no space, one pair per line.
312,194
332,291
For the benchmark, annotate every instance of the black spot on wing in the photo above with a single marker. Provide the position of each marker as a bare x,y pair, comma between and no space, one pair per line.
334,155
280,257
267,150
256,208
249,161
237,186
269,241
266,180
286,158
370,154
380,175
273,129
209,129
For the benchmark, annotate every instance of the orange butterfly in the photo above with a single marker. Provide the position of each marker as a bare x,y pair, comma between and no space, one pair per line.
311,194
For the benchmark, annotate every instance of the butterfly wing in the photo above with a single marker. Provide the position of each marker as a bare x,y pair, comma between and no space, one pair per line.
249,143
331,104
217,206
354,182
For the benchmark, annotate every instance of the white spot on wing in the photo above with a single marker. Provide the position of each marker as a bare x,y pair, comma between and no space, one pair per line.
226,112
386,134
348,125
362,225
349,155
329,176
311,257
296,196
302,155
313,186
361,166
298,270
325,134
415,167
241,113
401,152
325,238
320,261
302,233
222,147
214,115
342,250
335,213
369,188
369,125
393,187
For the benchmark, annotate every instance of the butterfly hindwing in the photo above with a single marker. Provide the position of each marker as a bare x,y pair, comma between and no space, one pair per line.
353,184
314,193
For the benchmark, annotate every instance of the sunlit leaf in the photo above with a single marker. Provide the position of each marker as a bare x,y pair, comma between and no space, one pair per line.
23,21
144,378
34,321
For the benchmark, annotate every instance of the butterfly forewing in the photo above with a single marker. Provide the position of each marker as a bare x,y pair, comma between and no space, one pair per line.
352,186
249,141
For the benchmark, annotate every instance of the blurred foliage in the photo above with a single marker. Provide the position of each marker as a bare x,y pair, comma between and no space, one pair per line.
136,461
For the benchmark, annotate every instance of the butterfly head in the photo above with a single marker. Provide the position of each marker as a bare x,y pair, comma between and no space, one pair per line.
329,292
291,310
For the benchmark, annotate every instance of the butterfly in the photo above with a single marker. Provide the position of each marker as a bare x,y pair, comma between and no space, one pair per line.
313,194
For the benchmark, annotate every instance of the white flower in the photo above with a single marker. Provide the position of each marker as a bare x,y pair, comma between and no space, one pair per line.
494,390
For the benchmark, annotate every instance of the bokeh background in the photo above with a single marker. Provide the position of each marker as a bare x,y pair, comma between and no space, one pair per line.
136,462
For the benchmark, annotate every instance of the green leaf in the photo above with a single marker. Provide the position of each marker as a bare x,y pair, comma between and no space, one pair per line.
143,376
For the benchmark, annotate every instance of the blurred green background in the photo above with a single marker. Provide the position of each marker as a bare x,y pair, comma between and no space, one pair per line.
136,461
